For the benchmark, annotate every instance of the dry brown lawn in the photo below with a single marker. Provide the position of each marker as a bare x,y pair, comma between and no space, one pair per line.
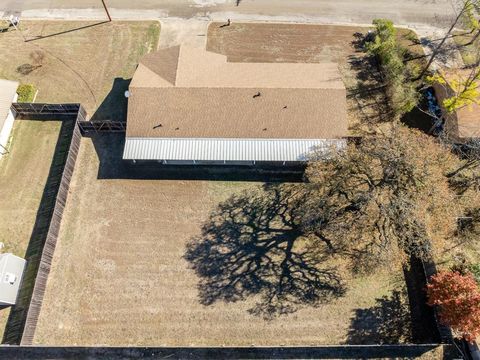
80,62
73,62
120,276
23,174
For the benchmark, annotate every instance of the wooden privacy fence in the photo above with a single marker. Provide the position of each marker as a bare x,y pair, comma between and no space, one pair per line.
293,352
100,126
47,111
51,241
24,316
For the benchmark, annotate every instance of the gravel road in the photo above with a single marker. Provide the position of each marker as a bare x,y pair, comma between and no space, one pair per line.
405,12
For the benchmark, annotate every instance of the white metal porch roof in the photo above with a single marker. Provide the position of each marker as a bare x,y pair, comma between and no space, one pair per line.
225,149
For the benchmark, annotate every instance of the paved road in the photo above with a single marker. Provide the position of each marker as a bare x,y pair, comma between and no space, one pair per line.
404,12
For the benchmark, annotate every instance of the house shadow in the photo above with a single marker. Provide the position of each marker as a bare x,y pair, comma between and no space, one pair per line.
114,106
251,247
109,149
386,322
420,117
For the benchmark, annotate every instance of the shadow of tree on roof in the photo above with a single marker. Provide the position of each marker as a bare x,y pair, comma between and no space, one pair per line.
387,322
252,247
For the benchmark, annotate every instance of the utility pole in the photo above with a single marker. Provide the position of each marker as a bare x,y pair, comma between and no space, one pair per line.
106,10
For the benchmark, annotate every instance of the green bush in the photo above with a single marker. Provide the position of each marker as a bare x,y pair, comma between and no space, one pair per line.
26,93
401,93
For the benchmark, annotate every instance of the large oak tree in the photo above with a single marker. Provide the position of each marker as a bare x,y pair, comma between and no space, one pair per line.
383,199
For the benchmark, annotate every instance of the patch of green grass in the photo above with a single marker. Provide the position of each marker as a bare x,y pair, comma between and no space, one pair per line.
147,43
26,93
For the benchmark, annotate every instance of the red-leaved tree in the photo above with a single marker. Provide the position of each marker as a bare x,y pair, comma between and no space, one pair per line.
458,298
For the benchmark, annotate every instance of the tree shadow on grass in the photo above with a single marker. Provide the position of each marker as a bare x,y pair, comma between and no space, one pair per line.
367,97
387,322
252,247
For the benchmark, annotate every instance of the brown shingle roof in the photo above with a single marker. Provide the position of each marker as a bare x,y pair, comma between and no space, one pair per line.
164,63
211,98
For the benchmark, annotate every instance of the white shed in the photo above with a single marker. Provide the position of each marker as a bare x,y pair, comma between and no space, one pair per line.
8,95
11,273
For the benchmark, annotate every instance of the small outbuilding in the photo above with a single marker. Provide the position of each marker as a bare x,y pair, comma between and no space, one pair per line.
11,273
192,106
8,95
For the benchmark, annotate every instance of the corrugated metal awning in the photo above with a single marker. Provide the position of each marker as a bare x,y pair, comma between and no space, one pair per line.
225,149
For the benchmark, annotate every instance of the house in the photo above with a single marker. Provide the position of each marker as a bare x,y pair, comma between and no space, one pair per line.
11,273
463,124
191,106
8,95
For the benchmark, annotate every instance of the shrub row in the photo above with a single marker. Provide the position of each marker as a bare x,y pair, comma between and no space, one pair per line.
401,92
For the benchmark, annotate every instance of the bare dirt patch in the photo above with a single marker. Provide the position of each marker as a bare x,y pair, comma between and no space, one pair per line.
276,42
121,274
